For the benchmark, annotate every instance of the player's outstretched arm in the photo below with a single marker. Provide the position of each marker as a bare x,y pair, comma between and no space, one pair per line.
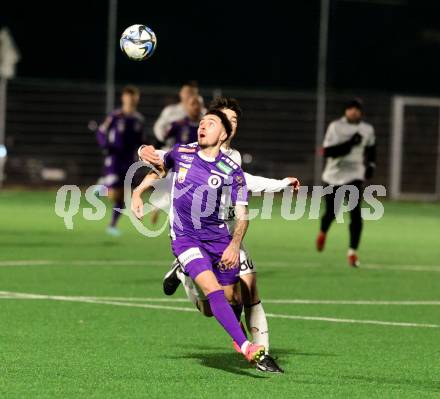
137,205
102,131
259,183
231,255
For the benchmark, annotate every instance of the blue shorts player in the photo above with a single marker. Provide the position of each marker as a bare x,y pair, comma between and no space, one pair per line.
206,183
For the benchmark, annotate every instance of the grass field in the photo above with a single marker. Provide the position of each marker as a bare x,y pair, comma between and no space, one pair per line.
82,314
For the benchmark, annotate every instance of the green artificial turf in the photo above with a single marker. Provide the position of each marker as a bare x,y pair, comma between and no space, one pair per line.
115,346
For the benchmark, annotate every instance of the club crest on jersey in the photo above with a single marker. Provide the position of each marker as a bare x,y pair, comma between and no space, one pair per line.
239,179
181,175
223,167
187,150
214,181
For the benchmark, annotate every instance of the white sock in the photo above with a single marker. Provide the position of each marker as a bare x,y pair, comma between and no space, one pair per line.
244,347
256,324
351,251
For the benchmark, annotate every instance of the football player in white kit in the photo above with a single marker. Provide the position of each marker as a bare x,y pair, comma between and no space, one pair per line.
175,112
350,151
255,316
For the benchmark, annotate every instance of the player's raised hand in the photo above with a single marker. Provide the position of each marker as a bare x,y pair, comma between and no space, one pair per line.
137,205
231,256
147,153
294,183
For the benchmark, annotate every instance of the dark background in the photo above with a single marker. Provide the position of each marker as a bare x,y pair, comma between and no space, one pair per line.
376,45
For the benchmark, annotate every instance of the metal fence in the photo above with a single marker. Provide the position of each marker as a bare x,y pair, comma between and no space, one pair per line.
49,139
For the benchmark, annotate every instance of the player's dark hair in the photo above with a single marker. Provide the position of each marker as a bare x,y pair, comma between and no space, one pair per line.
354,103
222,102
130,89
223,118
191,83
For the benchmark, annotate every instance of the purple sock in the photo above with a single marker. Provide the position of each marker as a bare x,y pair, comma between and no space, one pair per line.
224,314
116,214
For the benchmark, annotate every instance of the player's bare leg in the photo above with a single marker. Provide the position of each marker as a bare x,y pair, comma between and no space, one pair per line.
154,217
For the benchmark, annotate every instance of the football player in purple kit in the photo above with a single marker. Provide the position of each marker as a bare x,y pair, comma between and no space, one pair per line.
119,136
254,312
205,183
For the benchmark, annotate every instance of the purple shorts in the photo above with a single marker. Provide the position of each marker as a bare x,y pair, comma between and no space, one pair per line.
196,256
115,170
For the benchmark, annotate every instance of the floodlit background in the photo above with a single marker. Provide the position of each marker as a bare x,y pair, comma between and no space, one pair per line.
82,314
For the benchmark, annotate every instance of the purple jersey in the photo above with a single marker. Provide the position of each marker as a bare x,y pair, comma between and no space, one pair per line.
120,136
183,131
203,189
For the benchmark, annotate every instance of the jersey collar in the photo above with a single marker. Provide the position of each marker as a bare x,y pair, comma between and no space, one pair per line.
206,158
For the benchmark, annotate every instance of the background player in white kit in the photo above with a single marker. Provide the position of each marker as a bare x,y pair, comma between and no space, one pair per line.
254,312
350,151
175,112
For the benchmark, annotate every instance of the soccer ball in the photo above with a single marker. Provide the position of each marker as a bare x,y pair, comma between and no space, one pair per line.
138,42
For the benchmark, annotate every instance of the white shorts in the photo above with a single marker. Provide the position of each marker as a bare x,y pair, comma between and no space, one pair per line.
246,264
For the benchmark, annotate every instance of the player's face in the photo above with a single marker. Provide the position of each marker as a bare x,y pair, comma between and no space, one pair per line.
211,131
193,107
353,114
186,92
232,117
129,101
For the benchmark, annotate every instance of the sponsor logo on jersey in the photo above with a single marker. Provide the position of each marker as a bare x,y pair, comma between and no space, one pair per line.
223,167
185,165
181,175
189,255
230,162
187,158
187,150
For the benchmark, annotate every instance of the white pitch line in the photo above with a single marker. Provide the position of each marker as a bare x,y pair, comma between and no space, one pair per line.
17,295
165,262
404,268
273,315
184,309
92,262
346,302
353,321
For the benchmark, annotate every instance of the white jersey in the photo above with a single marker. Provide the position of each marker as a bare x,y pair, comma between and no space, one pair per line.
349,167
169,114
256,184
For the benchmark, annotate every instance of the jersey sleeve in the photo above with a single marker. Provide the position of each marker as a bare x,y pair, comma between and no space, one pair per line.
331,137
236,157
257,184
162,124
239,192
169,157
